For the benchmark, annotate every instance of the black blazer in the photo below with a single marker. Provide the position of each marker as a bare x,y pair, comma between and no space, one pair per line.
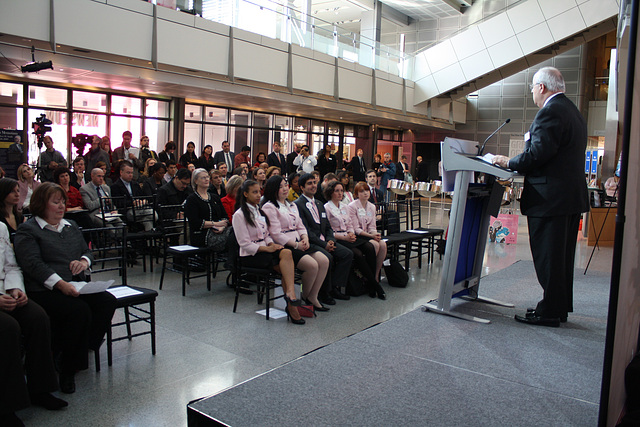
206,164
379,196
553,161
357,171
218,157
198,211
314,229
291,168
277,160
119,190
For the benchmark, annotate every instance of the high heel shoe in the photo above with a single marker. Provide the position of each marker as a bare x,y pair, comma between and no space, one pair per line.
295,302
380,292
293,309
315,307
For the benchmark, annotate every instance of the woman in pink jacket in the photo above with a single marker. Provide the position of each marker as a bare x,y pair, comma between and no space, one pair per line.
257,248
286,228
364,256
363,218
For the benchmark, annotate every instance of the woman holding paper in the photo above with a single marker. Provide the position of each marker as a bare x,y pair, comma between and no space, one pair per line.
78,321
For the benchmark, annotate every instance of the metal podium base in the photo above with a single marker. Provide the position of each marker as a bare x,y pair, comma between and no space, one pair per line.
434,308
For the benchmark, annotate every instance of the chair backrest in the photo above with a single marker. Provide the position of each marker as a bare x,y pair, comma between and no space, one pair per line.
402,208
143,212
108,247
172,223
110,207
415,214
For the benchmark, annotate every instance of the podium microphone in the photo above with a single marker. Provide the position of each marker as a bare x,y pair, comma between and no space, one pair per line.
481,148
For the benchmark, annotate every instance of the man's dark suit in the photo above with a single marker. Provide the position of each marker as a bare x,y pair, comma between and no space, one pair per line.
340,258
357,169
377,198
554,196
278,160
291,168
218,157
118,189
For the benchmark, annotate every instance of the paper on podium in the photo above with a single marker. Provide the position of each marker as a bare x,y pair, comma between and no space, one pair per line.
92,287
488,158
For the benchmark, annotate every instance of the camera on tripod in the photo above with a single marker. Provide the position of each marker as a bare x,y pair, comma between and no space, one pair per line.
40,128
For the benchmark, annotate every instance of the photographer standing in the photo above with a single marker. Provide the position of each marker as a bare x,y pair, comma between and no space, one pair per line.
305,162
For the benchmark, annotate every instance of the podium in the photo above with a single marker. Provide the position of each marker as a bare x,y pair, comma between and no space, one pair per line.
471,208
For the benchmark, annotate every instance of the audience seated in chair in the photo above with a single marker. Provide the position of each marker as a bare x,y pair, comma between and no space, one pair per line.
78,321
129,189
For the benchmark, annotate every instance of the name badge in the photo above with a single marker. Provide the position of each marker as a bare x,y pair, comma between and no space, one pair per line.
527,136
262,219
362,212
323,214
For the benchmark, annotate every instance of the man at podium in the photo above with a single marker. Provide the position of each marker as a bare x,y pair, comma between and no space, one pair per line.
554,195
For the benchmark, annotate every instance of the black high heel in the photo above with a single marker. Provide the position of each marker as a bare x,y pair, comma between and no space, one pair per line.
294,303
299,321
379,291
315,307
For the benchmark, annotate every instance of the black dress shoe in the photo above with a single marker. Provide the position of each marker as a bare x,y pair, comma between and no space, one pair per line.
327,300
315,307
536,320
532,311
10,420
48,401
67,383
335,293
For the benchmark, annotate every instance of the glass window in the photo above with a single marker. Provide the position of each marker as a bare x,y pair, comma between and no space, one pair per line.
89,101
218,115
193,132
300,138
126,105
349,130
214,135
58,131
317,126
317,143
121,124
193,112
262,141
158,133
239,137
240,118
262,120
47,97
283,122
155,108
10,93
302,124
334,128
285,139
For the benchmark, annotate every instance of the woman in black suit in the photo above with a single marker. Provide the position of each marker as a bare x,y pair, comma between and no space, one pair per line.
206,161
204,211
78,321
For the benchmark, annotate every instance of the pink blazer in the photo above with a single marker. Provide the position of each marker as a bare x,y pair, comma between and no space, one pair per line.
339,218
284,223
22,186
363,219
250,238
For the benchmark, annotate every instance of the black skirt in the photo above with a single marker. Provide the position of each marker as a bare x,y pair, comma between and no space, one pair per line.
266,260
350,245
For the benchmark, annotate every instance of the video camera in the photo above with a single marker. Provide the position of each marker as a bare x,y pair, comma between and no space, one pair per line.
40,128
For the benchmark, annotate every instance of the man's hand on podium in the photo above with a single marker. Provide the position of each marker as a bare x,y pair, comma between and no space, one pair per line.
502,161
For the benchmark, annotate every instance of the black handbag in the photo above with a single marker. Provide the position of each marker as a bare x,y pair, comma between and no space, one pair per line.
397,277
356,285
218,241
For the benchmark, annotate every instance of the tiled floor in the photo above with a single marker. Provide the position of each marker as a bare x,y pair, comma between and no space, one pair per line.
203,348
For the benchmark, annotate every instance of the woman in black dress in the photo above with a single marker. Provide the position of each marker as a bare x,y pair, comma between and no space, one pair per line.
205,213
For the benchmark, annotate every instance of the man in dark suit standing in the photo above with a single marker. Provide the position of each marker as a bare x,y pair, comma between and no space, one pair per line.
277,159
554,195
402,167
225,156
321,237
357,167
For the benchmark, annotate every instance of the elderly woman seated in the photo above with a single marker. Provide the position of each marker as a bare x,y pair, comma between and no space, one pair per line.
78,321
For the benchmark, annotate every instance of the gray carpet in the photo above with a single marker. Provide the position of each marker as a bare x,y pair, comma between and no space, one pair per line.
428,369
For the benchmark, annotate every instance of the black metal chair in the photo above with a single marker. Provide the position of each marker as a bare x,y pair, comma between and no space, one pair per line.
248,279
108,246
175,245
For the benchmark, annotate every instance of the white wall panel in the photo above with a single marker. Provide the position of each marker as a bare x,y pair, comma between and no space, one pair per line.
477,65
192,48
103,28
449,78
505,52
176,16
496,29
526,15
211,26
440,109
551,8
388,94
22,12
593,11
312,76
425,88
440,56
467,43
459,111
566,24
259,63
354,86
535,38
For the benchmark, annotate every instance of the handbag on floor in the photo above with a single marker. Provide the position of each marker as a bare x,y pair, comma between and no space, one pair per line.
397,277
307,311
356,285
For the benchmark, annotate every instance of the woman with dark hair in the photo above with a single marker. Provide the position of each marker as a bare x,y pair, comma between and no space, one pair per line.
363,218
327,162
229,201
61,176
287,229
345,179
206,161
26,183
364,254
189,156
208,222
169,152
155,180
258,249
78,321
260,176
273,171
9,199
294,188
261,158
